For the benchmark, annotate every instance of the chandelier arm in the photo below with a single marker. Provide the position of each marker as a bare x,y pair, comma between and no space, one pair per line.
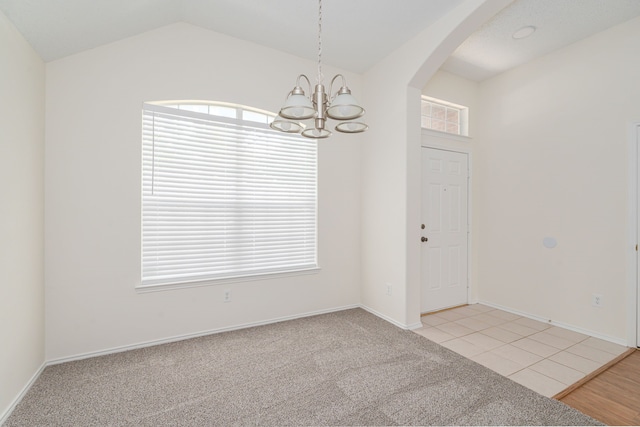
344,83
319,105
306,78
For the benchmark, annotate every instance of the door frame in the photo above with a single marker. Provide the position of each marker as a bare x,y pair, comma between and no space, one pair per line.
633,236
458,144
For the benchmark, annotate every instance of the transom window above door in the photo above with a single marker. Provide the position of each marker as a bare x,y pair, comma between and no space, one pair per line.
444,116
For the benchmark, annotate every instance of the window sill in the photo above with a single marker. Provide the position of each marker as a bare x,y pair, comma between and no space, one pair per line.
156,287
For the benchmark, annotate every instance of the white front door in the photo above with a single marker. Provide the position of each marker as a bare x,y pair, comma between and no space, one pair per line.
444,229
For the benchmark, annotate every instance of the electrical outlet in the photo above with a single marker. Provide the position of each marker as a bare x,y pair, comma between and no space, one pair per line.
596,300
389,289
227,296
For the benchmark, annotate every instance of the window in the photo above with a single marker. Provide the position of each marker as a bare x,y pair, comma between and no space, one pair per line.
444,116
223,195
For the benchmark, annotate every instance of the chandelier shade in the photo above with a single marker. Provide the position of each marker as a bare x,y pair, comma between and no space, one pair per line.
319,105
298,106
344,106
285,125
316,133
351,127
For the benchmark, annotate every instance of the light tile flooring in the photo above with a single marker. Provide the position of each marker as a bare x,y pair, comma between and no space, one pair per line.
544,358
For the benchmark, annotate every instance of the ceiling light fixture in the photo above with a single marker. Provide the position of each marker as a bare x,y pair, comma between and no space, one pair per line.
524,32
319,106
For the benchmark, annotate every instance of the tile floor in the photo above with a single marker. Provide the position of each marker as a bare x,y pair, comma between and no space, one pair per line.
542,357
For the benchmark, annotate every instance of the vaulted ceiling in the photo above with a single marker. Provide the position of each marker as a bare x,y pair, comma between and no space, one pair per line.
355,33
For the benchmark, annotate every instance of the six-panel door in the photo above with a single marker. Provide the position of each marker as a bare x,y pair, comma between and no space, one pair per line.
445,238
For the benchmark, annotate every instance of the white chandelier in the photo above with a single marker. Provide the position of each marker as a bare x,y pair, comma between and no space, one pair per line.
319,106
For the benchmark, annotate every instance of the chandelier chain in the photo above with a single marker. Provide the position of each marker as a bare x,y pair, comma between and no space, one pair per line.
320,76
319,106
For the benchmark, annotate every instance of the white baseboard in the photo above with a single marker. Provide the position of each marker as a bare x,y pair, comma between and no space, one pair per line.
4,416
413,326
120,349
573,328
389,319
193,335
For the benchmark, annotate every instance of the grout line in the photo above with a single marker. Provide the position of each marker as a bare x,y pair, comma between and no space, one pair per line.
543,374
599,349
593,374
520,370
559,395
555,323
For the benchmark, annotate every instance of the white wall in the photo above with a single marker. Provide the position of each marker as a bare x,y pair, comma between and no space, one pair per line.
458,90
450,87
94,102
552,161
391,161
21,213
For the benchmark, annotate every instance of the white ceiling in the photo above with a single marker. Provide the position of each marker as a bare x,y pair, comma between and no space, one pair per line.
492,49
356,33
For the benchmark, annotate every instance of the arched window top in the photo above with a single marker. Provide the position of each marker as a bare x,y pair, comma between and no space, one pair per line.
221,109
224,196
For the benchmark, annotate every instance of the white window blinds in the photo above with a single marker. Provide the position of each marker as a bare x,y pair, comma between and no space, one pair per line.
224,197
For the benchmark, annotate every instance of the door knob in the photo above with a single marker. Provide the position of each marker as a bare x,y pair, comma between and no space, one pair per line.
424,239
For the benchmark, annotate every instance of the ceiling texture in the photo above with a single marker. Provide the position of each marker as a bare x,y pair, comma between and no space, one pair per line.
356,34
492,50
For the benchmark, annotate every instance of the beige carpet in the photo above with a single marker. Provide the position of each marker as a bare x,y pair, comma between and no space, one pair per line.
344,368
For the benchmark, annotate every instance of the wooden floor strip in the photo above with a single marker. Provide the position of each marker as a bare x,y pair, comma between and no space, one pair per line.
594,374
444,309
611,395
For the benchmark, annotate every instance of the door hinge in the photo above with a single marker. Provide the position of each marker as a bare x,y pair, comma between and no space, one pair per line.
636,247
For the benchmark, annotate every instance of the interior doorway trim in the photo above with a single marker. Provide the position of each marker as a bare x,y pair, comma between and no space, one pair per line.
442,141
633,236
